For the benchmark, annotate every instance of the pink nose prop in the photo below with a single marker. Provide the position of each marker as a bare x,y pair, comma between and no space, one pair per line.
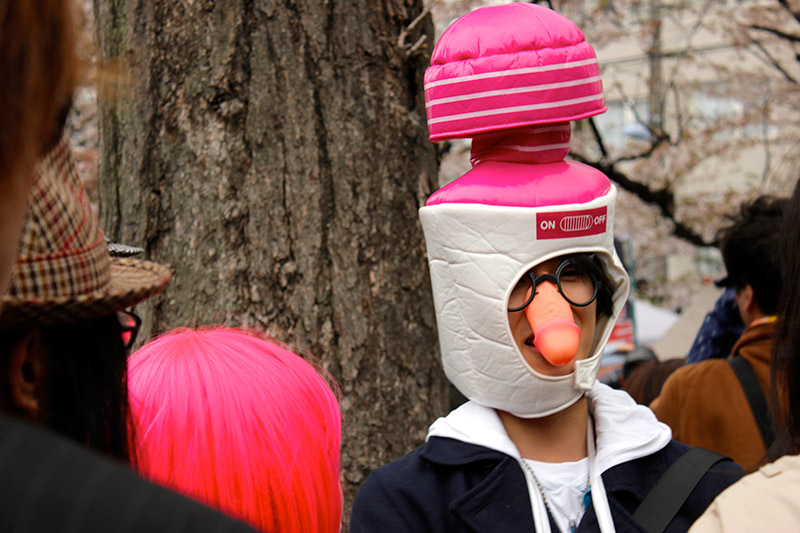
556,335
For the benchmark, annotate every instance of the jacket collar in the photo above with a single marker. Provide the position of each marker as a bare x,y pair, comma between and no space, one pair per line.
624,430
500,502
453,453
450,452
756,333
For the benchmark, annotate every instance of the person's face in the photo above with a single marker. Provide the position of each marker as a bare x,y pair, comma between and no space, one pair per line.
585,318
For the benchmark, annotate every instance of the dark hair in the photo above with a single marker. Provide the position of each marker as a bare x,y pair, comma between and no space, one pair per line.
605,295
785,368
750,247
644,381
84,387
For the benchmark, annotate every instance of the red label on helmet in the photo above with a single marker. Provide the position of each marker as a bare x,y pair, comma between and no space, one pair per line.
566,224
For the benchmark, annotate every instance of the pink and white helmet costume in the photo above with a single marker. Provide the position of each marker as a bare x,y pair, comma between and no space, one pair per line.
512,77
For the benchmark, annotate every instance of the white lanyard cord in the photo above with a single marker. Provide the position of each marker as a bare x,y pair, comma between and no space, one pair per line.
599,497
541,521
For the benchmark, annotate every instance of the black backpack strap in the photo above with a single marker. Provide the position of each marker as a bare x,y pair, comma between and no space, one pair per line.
677,482
755,397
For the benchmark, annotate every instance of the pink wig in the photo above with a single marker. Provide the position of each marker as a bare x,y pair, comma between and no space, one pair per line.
234,420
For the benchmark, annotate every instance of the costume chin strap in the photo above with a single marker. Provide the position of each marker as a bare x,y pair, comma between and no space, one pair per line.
586,372
598,490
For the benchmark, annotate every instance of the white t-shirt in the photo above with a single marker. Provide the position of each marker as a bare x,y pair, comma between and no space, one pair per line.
565,484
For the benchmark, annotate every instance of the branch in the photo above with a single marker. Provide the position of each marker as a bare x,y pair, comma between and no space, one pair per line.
417,45
785,5
598,138
772,61
401,39
676,95
774,31
765,133
686,49
641,155
658,138
663,199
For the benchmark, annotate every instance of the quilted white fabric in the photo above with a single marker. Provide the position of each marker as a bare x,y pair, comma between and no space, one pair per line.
477,253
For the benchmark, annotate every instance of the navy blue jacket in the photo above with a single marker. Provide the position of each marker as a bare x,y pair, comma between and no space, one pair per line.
448,485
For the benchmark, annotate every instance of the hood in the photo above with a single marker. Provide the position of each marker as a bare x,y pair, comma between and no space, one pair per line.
624,430
479,249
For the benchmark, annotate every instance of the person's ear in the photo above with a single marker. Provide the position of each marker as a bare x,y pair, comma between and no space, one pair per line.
744,301
748,298
25,371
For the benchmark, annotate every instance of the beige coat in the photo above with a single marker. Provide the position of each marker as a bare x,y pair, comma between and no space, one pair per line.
766,500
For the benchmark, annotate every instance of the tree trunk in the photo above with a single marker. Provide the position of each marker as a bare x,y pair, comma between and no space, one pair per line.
275,155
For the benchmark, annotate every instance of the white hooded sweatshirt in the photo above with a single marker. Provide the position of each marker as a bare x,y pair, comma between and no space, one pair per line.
623,431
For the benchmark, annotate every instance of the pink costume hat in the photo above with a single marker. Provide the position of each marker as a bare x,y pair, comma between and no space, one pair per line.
530,66
512,77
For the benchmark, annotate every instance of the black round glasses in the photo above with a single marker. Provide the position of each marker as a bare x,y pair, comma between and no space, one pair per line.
575,281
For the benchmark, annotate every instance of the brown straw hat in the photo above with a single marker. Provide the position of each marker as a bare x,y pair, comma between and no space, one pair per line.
64,272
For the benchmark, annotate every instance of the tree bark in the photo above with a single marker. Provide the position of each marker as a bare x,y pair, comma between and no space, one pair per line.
274,154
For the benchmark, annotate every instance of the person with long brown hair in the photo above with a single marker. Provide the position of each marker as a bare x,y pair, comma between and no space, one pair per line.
48,483
39,71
